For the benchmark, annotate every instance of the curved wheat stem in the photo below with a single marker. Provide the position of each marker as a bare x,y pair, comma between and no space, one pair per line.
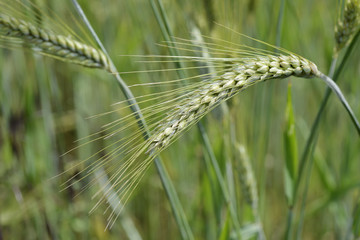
48,43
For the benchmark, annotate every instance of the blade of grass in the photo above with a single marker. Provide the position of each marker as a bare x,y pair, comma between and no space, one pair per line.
174,201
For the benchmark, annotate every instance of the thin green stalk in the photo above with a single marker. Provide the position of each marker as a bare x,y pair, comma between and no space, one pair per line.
341,97
176,207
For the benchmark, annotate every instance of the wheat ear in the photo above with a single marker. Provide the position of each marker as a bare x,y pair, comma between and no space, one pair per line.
51,44
347,26
237,78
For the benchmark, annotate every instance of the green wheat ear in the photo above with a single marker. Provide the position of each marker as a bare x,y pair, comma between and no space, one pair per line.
347,25
242,74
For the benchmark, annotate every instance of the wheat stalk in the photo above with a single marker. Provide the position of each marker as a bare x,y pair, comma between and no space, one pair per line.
347,25
48,43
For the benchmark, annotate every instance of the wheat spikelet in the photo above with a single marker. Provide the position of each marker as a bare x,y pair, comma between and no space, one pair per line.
48,43
347,26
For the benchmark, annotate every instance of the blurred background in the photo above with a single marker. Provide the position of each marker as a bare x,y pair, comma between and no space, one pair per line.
46,104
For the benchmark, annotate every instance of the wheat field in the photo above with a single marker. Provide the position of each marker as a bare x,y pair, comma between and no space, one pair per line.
185,120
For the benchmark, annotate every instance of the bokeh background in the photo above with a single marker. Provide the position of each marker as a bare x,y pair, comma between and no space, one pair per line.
46,104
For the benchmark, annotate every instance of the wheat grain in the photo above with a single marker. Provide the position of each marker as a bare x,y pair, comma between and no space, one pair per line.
237,78
347,26
48,43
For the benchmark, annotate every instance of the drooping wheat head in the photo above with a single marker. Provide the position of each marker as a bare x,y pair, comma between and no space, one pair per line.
238,77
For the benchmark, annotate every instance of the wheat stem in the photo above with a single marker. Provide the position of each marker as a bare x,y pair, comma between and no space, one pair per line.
332,85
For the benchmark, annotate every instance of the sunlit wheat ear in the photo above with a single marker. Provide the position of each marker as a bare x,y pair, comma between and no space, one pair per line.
240,76
14,31
347,25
